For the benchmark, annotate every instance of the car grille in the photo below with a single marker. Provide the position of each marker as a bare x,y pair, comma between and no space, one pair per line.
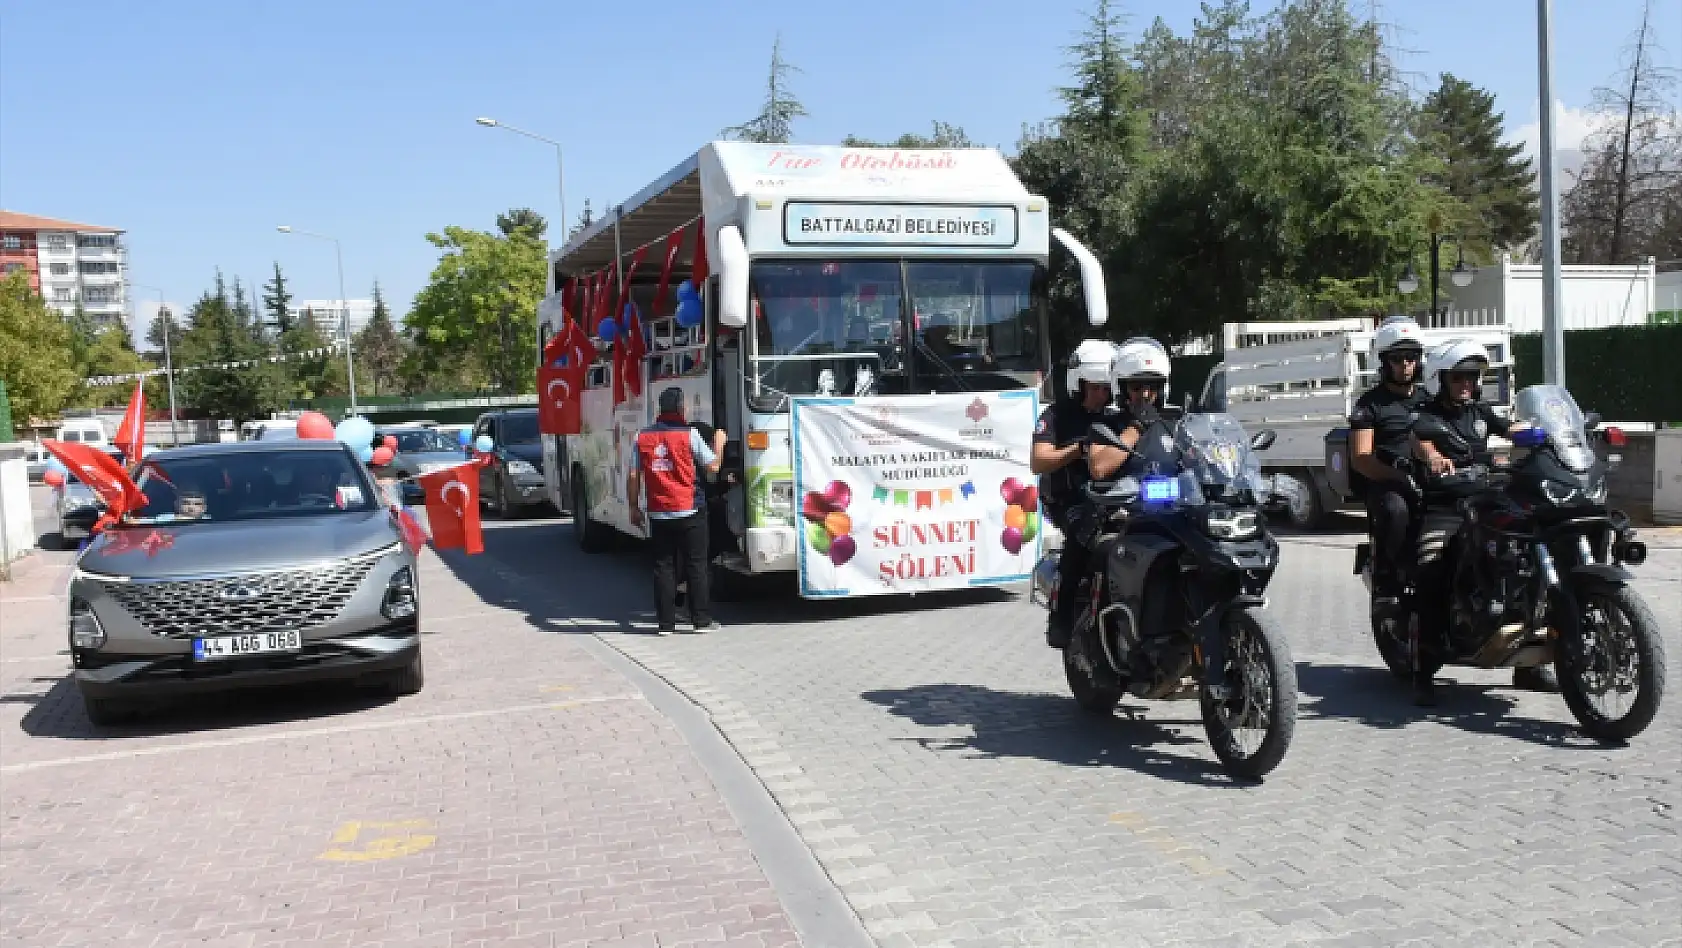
250,602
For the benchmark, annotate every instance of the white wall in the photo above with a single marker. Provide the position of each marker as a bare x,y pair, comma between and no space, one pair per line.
1667,291
1591,297
18,535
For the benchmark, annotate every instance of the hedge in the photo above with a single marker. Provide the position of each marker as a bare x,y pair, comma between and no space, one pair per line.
1627,373
6,433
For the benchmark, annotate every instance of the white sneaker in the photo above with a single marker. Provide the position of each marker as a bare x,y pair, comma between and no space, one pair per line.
712,626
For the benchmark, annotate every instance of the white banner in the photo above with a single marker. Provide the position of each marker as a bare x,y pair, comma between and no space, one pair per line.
936,225
912,493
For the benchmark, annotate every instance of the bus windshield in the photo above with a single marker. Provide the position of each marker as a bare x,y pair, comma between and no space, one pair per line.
887,327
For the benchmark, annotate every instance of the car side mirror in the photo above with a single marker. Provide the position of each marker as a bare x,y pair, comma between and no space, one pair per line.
1263,439
1591,421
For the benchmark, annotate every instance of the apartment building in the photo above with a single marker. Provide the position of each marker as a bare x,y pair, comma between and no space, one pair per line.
328,315
69,263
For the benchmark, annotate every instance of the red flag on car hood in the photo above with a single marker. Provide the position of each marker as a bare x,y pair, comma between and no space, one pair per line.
452,506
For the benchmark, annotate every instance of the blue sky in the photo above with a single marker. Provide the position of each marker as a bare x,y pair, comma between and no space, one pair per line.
198,127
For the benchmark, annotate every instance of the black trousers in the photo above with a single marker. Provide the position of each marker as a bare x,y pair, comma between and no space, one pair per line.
683,539
1390,510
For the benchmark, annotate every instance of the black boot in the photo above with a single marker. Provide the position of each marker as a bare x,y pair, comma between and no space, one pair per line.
1538,678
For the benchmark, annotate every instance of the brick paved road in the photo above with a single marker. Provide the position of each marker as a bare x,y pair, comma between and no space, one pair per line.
529,796
929,754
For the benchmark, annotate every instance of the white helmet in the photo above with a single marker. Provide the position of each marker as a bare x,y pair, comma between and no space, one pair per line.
1142,358
1090,362
1464,355
1397,332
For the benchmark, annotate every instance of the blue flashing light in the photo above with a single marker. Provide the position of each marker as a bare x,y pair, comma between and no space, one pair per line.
1162,489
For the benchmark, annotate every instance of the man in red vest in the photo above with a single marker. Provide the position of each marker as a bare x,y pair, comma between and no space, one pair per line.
667,460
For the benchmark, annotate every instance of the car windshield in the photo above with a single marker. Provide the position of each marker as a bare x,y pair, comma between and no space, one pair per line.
422,441
252,485
519,429
864,327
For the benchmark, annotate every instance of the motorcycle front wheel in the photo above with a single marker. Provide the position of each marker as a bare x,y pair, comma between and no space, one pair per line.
1251,728
1613,679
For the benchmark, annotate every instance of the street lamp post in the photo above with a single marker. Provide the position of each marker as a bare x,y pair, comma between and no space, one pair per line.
561,190
344,306
169,365
1461,275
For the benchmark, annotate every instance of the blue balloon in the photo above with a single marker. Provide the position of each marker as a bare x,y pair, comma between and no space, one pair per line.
484,444
607,329
630,312
357,432
464,437
366,454
56,465
686,291
689,313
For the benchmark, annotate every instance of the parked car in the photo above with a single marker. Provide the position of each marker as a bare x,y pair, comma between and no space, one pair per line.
420,450
513,481
275,429
77,507
84,430
253,563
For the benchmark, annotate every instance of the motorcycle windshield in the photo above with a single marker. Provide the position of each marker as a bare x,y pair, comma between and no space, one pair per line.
1216,450
1552,409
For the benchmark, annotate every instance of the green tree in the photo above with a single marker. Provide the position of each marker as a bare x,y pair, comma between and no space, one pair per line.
522,219
36,361
945,135
165,317
231,376
109,354
313,368
1459,126
775,122
481,305
277,302
379,349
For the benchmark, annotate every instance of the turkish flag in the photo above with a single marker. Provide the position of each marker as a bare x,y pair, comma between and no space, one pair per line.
560,380
698,269
103,475
672,244
414,535
636,349
452,505
131,434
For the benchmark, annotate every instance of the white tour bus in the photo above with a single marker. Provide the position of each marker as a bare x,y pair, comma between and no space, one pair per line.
874,343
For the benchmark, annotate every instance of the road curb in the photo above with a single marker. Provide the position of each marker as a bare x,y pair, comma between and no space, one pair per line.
815,905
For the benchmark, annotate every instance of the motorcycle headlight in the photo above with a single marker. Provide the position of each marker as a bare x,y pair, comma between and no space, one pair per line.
1232,524
517,466
1596,492
1558,493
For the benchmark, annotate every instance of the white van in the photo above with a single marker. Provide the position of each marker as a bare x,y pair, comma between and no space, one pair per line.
84,430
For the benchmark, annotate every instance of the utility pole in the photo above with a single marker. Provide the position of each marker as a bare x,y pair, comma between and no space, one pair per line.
1553,333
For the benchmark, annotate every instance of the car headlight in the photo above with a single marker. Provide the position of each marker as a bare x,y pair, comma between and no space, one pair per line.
80,502
402,600
1231,524
85,630
430,466
517,466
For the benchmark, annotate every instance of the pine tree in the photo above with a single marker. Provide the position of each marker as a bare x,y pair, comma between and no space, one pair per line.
379,349
1459,126
277,302
775,122
522,219
586,217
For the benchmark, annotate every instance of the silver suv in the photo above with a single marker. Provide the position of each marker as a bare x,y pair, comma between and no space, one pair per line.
252,563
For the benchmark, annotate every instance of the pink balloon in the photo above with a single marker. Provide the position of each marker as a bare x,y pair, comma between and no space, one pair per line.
382,455
1010,489
842,550
315,425
1012,540
53,479
838,494
390,441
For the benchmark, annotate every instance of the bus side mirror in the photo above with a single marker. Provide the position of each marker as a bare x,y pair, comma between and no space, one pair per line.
1092,288
732,277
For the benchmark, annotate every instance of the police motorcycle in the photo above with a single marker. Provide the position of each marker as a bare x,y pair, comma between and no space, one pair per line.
1176,607
1537,574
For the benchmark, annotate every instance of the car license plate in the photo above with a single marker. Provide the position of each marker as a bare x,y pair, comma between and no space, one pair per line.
252,643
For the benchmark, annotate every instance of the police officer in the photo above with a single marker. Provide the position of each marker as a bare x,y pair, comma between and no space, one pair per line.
1380,448
1453,431
668,457
1060,455
1143,443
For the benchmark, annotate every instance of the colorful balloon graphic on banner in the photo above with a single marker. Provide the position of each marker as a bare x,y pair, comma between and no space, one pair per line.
1022,517
829,529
